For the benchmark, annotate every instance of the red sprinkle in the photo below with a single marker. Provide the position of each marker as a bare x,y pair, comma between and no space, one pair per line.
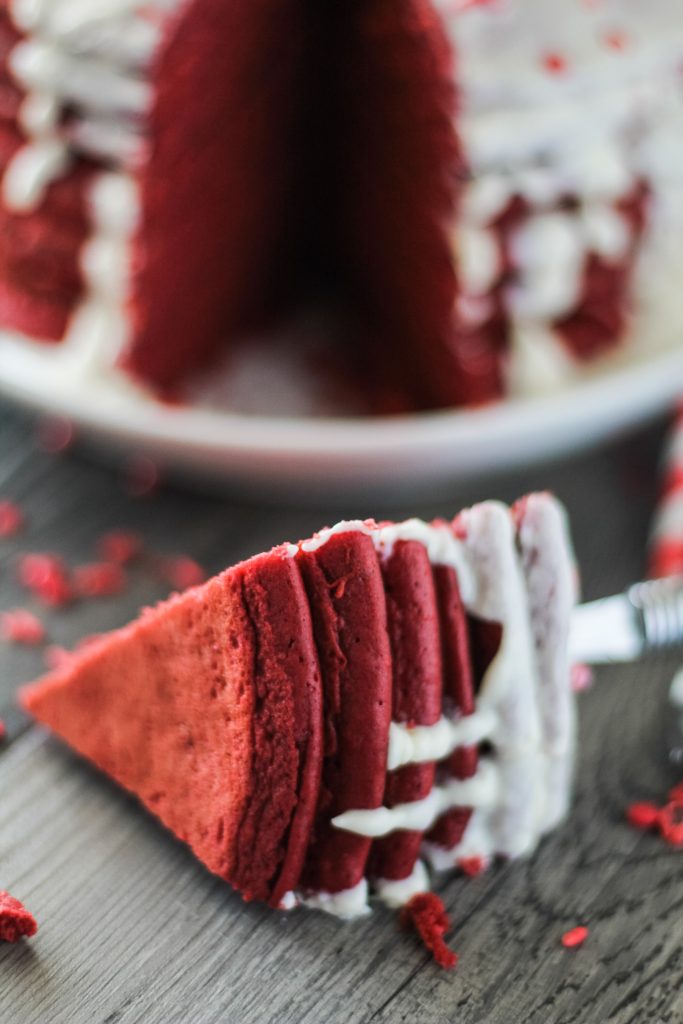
183,572
15,919
555,63
472,866
616,40
120,546
11,519
671,823
575,937
47,578
21,627
643,815
99,579
426,914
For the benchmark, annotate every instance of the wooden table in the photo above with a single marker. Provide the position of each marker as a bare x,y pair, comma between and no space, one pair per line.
134,931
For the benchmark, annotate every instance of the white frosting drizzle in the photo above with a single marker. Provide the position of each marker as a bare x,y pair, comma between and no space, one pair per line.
418,744
89,57
397,892
551,585
482,790
519,707
590,131
31,170
347,904
289,901
100,324
441,544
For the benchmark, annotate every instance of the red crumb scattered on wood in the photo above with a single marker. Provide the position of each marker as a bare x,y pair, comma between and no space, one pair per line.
99,579
20,626
183,572
11,519
120,546
670,823
15,919
667,820
472,866
575,937
46,576
642,815
426,914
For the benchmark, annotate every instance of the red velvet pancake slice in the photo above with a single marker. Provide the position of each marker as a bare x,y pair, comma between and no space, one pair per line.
215,240
208,710
403,174
458,693
288,737
413,621
345,589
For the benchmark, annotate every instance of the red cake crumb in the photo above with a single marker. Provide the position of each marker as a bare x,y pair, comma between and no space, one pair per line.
183,572
670,823
575,937
426,914
21,627
11,519
642,815
120,546
15,919
3,731
472,866
46,576
99,579
667,820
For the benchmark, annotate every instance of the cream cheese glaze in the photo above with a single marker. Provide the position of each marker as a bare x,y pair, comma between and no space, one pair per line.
527,71
517,571
90,57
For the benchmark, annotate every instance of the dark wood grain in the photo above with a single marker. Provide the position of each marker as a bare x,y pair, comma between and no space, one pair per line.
133,930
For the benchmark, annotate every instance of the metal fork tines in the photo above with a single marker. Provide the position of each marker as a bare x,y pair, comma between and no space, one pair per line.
658,605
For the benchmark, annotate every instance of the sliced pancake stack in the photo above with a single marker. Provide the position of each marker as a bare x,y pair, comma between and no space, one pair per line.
316,719
146,160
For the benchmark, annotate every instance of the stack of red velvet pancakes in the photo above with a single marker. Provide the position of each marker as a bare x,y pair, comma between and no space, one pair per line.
491,191
317,720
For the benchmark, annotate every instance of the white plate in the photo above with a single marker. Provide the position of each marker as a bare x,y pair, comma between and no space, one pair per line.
403,454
